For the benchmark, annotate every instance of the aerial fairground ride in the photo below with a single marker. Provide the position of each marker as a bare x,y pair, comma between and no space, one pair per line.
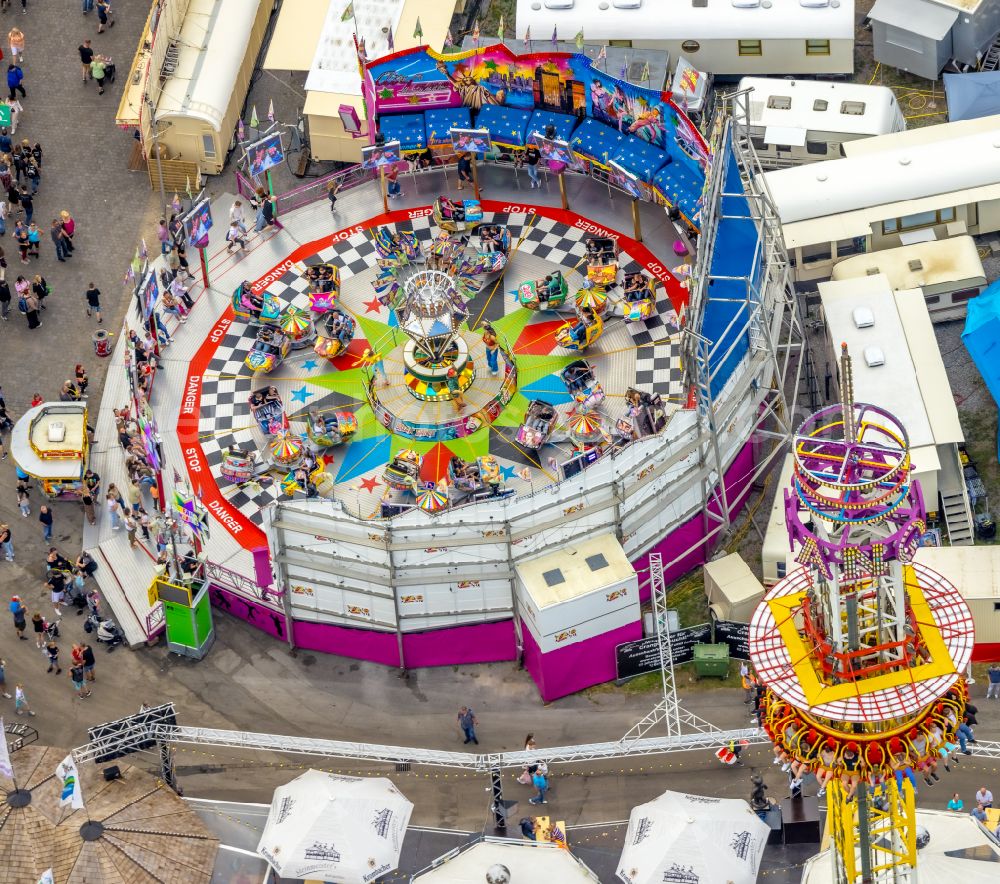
861,648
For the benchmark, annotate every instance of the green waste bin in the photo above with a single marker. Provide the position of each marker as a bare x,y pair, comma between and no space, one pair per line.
711,660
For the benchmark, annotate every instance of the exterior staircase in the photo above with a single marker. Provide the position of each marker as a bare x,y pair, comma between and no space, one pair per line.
991,61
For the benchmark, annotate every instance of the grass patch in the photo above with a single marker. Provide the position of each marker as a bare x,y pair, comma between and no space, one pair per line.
687,597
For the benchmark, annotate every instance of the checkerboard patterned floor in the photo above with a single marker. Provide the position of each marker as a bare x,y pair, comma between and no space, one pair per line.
641,355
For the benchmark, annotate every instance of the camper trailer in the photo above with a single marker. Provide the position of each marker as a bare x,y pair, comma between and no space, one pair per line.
803,121
947,272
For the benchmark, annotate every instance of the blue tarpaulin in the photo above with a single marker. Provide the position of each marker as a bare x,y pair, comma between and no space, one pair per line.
981,337
972,95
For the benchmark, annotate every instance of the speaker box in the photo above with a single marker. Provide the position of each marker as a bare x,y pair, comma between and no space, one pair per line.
112,773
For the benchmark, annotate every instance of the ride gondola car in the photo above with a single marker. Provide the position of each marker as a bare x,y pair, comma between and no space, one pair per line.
457,215
324,287
264,309
539,422
402,246
602,261
331,428
268,350
268,410
403,472
238,466
582,385
580,334
336,334
494,247
640,296
543,294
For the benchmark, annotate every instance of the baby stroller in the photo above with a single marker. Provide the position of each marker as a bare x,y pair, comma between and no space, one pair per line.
106,631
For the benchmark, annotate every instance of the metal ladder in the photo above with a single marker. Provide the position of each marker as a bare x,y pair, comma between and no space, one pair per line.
991,61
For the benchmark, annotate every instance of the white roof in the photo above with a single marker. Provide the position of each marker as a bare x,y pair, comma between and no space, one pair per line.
932,378
527,861
921,135
816,190
212,42
892,386
680,20
296,34
881,113
335,64
942,261
575,570
32,427
923,17
974,570
951,833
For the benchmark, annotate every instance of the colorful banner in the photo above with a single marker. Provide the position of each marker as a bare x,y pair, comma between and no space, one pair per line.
420,78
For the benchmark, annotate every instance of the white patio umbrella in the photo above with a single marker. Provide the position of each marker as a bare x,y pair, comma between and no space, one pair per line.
335,828
692,837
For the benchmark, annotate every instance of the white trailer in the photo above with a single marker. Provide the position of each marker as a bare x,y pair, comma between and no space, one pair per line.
947,272
803,121
776,555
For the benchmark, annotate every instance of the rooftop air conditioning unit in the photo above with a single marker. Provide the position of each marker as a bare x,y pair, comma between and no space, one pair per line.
558,4
56,431
874,356
863,317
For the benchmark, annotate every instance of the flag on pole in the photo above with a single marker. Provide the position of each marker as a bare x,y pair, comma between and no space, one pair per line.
475,32
388,38
71,793
500,28
143,251
5,767
555,36
418,31
579,40
136,264
449,40
527,39
645,71
603,54
348,11
175,203
129,276
47,877
270,104
254,119
241,132
624,70
187,185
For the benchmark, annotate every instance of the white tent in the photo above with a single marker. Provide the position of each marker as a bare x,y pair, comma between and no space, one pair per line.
711,840
339,829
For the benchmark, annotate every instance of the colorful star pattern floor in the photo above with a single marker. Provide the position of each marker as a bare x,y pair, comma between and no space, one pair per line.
642,355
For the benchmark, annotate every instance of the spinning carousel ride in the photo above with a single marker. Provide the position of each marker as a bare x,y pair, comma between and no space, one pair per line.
861,648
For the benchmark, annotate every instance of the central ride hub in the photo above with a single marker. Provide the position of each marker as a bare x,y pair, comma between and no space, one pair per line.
431,315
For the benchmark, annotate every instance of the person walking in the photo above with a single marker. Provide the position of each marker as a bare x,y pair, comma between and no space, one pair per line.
392,182
21,700
15,82
3,679
114,510
45,517
104,15
236,214
93,296
52,652
15,40
69,225
131,526
23,501
464,170
331,194
985,797
467,722
993,687
19,614
531,158
6,542
38,627
540,782
4,300
88,662
86,57
76,676
27,203
98,70
80,373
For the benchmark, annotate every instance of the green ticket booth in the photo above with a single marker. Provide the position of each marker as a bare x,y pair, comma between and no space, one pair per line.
187,613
